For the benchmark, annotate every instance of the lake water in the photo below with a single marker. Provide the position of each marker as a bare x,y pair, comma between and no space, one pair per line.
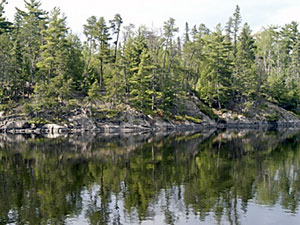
212,177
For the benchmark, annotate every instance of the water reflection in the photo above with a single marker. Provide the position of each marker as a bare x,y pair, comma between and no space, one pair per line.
210,177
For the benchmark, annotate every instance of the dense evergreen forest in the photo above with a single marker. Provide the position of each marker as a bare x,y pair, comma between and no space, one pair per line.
44,66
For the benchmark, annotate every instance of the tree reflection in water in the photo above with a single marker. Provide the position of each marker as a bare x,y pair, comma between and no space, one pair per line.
131,179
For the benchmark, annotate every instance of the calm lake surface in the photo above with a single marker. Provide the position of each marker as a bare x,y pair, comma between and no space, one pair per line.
212,177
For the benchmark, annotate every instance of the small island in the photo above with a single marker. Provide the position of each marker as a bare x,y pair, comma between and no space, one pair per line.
122,78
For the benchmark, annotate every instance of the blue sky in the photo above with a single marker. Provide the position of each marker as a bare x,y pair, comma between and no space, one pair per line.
153,13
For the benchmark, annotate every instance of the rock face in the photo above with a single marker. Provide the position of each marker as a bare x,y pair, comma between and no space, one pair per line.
267,114
132,121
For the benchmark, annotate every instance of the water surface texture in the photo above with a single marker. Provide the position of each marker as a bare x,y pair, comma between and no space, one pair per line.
213,177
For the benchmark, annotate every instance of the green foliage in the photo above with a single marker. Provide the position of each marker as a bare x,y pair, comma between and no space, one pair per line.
193,119
53,94
245,76
38,121
208,111
248,105
215,78
28,108
5,26
94,91
151,71
189,118
54,50
142,91
8,106
272,117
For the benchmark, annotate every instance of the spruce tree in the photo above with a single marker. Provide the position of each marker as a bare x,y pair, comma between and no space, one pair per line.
246,79
214,85
142,92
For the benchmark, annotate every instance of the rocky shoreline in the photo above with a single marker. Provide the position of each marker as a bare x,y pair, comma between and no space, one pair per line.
23,127
129,120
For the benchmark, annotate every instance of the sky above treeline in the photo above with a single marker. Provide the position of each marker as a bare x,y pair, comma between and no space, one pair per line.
152,13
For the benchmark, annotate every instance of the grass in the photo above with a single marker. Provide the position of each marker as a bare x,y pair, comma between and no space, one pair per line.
189,118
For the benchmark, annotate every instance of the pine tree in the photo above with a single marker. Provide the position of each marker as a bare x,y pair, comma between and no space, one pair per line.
5,55
56,86
236,21
246,79
103,54
228,29
142,92
187,31
5,66
90,32
214,85
53,95
5,26
131,58
74,61
116,26
169,30
54,50
30,25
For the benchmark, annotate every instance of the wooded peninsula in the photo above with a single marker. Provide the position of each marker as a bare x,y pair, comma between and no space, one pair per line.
127,76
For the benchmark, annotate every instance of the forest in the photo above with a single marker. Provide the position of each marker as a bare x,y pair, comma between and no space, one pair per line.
44,66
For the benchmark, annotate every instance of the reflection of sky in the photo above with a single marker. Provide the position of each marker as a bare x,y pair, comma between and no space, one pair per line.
259,214
257,13
255,214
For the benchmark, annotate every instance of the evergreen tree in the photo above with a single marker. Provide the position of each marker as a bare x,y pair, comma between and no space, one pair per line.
5,54
214,85
246,83
54,50
5,26
90,32
74,61
116,26
5,67
30,25
102,38
187,31
228,29
54,94
55,88
169,30
236,21
142,92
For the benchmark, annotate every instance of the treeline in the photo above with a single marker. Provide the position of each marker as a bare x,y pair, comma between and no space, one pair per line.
41,60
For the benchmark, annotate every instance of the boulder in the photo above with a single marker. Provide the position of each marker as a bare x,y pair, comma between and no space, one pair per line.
53,128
